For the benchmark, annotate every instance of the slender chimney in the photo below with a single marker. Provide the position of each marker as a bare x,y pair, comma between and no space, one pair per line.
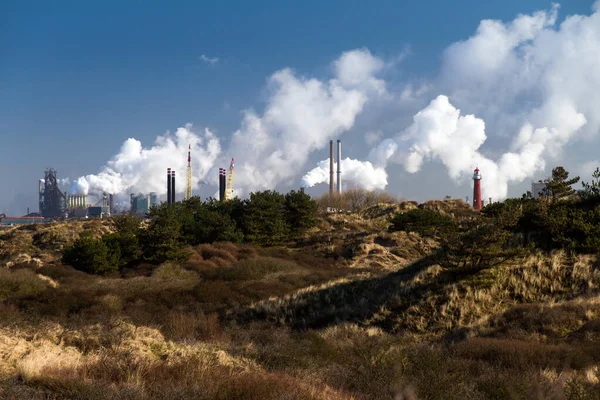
490,202
331,167
222,178
168,185
173,186
339,166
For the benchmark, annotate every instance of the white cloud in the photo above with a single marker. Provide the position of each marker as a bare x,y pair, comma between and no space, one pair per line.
139,169
301,116
533,80
357,69
360,174
373,137
209,60
536,85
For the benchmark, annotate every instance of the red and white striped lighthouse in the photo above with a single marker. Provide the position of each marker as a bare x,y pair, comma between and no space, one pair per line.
477,190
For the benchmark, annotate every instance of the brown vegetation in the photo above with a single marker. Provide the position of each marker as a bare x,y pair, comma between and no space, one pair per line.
351,312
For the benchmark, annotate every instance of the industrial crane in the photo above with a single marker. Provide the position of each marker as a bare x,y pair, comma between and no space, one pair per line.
229,186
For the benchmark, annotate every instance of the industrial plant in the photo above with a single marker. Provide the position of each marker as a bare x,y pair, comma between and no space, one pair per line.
226,182
55,203
141,204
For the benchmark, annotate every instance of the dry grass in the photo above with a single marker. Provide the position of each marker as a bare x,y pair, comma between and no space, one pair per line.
362,316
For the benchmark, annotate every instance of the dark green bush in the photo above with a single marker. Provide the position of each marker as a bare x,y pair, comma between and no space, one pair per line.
90,255
423,221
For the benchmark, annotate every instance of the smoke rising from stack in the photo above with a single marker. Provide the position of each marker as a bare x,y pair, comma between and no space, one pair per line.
138,169
535,83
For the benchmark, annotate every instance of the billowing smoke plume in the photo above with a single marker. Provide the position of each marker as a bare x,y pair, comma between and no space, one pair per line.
536,84
361,174
136,168
301,116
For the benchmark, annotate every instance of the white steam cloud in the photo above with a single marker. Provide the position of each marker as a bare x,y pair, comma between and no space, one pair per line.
536,84
439,132
361,173
301,116
139,169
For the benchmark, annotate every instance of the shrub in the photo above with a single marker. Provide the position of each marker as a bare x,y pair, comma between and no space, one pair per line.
127,224
90,255
423,221
264,218
162,240
300,211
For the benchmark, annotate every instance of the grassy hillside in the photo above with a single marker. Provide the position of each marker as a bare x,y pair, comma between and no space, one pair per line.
348,310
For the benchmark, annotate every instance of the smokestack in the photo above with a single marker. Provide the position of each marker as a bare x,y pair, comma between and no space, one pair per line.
168,185
490,202
331,167
339,166
173,186
222,184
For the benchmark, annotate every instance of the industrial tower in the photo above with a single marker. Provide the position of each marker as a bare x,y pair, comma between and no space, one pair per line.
53,202
188,176
229,188
477,190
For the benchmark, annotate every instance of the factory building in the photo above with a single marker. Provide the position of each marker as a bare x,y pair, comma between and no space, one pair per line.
52,201
141,204
76,201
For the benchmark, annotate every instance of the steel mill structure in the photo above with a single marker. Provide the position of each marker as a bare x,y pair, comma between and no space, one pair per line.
52,201
188,176
477,203
76,201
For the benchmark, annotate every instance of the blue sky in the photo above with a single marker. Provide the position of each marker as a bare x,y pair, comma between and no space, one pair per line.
78,78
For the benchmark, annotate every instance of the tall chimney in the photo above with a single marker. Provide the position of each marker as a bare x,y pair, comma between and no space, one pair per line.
331,167
490,202
168,185
222,178
339,166
173,186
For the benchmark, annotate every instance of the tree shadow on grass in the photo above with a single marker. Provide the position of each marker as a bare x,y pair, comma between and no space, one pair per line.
345,302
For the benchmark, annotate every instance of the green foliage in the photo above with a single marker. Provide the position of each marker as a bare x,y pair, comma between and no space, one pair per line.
206,224
124,248
423,221
162,240
567,222
300,211
127,224
559,185
591,190
90,255
264,219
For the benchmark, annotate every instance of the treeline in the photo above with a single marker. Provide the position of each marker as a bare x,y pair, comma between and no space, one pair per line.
266,218
561,218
